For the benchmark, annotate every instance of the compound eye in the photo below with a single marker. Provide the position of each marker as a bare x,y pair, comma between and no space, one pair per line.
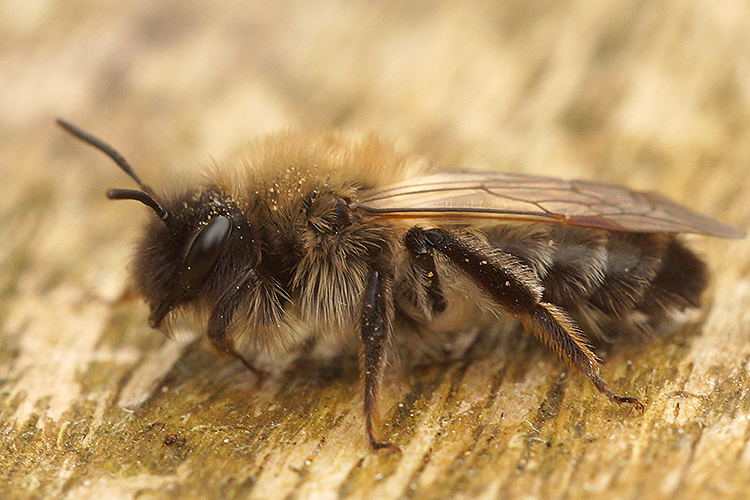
204,252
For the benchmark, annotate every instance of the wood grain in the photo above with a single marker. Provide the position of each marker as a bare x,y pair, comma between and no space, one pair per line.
653,95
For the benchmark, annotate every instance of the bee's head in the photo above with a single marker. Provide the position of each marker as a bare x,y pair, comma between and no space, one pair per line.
178,255
181,244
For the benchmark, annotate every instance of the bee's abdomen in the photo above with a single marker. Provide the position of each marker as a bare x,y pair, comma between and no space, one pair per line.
613,273
649,273
632,263
679,283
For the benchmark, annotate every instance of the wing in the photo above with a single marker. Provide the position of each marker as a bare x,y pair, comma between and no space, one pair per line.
463,196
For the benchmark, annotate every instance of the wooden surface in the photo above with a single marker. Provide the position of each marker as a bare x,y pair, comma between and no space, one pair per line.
93,404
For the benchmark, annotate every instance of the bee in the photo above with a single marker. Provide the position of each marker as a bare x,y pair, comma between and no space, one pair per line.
340,236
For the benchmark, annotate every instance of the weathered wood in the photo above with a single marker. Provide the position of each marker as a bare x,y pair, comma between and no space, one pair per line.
93,404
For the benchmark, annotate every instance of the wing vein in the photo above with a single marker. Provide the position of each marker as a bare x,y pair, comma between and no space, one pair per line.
465,196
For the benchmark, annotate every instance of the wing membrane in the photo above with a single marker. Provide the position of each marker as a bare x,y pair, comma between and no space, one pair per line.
462,196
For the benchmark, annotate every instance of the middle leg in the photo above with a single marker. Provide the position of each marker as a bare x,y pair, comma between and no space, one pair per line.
375,330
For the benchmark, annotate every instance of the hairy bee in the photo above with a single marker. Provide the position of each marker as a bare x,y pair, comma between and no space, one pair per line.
349,237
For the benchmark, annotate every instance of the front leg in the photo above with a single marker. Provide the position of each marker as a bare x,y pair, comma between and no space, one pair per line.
376,324
517,289
221,318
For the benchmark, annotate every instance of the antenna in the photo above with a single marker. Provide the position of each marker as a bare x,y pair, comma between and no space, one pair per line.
145,195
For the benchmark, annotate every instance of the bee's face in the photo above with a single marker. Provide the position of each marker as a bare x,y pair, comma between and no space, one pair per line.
176,258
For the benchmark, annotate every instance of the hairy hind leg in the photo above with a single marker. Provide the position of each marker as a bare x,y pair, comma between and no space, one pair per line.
517,289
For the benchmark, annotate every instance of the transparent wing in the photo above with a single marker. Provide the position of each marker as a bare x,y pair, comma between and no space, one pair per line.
463,196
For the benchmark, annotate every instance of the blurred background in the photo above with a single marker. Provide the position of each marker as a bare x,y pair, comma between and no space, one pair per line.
653,95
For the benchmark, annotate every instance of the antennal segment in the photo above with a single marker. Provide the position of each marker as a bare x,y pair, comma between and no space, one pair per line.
146,195
137,195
